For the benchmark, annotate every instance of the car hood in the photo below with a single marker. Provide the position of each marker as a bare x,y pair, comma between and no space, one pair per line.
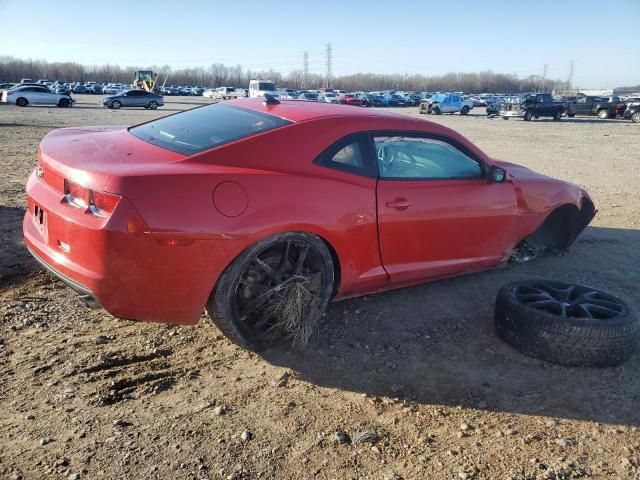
520,172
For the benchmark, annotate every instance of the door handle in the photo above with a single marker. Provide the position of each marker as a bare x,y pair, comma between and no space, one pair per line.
399,204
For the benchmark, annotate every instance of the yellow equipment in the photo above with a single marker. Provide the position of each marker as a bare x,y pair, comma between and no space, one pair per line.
145,80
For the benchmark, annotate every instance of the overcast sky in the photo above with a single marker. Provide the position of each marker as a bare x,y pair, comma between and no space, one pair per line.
428,37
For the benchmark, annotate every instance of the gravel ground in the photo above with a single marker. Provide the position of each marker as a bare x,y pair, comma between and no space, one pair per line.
408,384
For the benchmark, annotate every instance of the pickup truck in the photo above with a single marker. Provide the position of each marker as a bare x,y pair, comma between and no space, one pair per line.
532,106
445,103
603,107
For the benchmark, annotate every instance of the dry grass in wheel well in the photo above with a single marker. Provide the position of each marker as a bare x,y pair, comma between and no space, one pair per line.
294,310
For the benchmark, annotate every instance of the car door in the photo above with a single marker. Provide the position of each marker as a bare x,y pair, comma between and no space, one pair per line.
437,213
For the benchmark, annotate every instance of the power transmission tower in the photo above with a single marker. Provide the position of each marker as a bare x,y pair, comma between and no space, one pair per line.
570,80
305,69
329,66
544,77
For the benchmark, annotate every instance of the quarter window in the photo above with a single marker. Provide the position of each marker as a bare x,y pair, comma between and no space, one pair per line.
423,158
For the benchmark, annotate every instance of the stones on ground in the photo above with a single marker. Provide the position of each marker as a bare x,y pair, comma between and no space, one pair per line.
282,380
220,410
246,436
365,437
341,437
465,427
44,440
74,476
464,475
562,442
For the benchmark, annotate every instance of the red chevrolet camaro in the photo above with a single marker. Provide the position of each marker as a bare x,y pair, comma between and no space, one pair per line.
218,206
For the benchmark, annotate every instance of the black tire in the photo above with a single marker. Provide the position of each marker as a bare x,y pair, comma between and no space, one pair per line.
528,115
22,102
436,111
603,113
505,118
529,316
571,115
153,104
464,110
64,103
223,307
635,117
557,116
115,105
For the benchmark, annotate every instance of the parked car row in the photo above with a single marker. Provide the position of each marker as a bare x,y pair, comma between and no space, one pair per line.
533,106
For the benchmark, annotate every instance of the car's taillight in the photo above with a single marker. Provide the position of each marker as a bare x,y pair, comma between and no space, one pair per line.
96,203
75,194
102,203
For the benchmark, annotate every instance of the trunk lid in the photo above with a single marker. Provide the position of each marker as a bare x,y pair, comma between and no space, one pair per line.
89,156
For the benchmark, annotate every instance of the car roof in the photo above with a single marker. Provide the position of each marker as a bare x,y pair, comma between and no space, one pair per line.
297,111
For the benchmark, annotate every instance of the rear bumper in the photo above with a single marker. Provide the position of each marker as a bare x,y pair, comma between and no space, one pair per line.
127,273
85,294
511,113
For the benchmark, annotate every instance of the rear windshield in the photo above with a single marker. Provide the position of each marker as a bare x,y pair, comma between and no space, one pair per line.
204,128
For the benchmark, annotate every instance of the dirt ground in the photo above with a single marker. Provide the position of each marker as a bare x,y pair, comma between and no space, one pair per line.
87,396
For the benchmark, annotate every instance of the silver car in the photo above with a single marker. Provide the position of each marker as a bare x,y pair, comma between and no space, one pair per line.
134,98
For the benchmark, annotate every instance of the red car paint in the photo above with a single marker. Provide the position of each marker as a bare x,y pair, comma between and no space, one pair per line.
180,220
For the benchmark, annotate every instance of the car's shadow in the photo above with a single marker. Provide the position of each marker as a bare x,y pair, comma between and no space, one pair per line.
15,262
435,343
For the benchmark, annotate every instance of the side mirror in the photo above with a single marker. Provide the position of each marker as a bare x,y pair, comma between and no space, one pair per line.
496,175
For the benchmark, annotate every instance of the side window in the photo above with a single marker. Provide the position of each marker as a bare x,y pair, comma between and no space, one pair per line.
423,158
349,155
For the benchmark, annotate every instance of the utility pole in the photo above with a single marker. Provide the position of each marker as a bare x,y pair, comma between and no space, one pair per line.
329,66
544,76
305,69
570,80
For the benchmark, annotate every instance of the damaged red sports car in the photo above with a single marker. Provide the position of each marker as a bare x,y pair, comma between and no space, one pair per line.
220,206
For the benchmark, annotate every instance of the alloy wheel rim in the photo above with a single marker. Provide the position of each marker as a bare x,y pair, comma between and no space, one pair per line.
568,300
267,274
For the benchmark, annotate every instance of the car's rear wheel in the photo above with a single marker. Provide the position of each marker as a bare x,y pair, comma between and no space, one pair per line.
464,110
602,114
63,103
153,105
116,104
528,116
566,323
635,118
249,298
22,102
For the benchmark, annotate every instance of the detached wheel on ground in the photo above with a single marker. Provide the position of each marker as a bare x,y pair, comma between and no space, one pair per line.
566,323
274,291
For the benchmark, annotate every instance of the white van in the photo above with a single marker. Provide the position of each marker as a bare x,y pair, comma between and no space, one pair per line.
257,88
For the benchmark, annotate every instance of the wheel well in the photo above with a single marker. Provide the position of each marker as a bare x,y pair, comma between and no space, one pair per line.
556,232
336,266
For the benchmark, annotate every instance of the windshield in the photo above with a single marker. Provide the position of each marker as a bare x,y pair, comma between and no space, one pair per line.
267,86
204,128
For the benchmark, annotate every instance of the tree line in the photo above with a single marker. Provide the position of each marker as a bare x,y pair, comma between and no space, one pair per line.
14,69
